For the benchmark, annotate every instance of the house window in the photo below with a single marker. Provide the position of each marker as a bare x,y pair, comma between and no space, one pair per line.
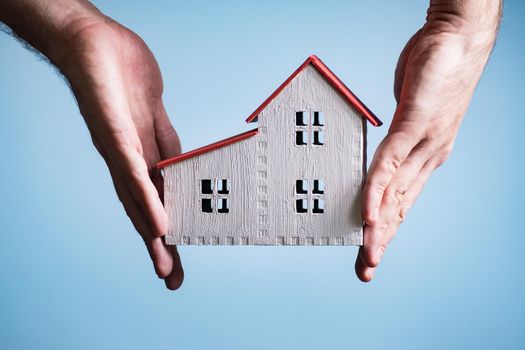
304,196
309,128
214,195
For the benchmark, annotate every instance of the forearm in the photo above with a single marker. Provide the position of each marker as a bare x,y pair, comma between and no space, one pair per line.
475,19
47,25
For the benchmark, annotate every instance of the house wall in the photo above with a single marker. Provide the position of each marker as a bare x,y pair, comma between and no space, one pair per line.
263,171
339,163
182,197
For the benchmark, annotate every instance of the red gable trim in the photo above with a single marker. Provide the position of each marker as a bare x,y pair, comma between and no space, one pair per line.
332,79
208,148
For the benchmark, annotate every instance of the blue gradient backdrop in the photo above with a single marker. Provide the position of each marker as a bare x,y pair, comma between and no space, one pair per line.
75,275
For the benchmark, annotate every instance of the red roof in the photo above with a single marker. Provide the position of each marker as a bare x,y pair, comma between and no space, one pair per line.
208,148
323,69
333,80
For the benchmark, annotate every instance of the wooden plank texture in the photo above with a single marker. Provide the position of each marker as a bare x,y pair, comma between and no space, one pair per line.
262,173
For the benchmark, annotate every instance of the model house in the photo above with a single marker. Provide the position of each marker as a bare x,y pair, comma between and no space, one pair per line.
295,179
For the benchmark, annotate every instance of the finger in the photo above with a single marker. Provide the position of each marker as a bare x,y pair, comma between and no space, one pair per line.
168,141
377,237
168,144
126,156
159,253
176,277
402,181
373,238
418,185
134,170
389,156
161,257
364,270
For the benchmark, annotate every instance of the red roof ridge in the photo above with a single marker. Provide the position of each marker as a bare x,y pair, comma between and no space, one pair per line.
207,148
333,80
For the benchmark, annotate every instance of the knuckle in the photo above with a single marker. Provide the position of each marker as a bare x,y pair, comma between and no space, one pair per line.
138,173
396,160
402,213
379,187
383,227
375,185
395,196
127,144
166,132
369,216
389,164
443,155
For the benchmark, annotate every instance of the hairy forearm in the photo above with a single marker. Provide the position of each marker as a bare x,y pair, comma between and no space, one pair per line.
455,42
47,25
478,19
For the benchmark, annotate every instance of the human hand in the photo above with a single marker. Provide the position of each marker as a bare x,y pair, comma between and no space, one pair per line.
435,78
118,86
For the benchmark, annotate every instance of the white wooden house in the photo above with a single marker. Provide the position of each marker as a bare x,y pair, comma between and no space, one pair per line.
295,179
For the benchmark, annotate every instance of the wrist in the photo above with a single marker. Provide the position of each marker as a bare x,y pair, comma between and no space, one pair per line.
48,25
74,37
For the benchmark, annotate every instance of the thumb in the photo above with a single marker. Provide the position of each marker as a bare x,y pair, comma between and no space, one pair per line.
168,142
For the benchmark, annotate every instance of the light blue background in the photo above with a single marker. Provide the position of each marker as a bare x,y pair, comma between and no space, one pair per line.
75,275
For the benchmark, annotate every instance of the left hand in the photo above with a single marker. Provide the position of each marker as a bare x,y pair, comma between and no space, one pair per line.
435,78
118,86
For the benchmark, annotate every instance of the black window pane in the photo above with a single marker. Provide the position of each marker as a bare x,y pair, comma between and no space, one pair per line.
206,186
318,187
318,206
318,138
318,118
223,186
206,205
222,206
300,137
300,118
301,205
301,187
